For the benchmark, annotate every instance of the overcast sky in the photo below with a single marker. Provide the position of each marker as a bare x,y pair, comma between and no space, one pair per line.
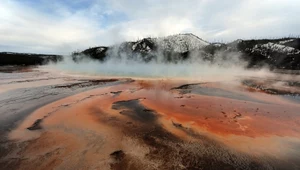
62,26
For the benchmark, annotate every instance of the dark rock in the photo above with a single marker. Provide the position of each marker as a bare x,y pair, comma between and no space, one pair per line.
178,125
36,125
97,53
238,115
135,110
86,83
116,92
118,155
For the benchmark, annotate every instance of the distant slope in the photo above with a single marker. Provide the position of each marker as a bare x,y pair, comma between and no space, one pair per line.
281,53
177,43
9,58
276,53
168,49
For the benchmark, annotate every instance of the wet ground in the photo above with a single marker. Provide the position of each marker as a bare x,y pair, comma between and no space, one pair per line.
54,121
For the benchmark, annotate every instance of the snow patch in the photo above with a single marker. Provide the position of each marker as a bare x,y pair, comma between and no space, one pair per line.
264,48
180,43
100,49
217,44
286,41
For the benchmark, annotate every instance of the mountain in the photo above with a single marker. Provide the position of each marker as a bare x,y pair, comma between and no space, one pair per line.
10,58
167,49
281,53
278,53
180,43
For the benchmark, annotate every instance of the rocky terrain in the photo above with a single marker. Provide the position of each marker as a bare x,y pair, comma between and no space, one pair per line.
281,53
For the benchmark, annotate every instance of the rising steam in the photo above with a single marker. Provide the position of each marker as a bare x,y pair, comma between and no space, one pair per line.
224,67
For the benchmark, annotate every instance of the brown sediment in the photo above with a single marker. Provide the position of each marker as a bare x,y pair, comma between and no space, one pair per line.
209,108
116,93
86,83
198,108
16,69
272,86
148,124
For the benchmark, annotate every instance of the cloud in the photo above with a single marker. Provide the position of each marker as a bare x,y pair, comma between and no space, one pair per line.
66,25
27,28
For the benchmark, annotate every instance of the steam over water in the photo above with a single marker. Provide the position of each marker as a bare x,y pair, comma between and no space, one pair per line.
191,69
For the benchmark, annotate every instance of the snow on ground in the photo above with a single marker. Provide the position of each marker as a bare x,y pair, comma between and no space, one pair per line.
275,48
286,41
100,49
180,43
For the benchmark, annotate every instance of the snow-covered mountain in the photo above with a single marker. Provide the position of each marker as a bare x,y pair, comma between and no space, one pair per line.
277,53
265,49
179,43
280,53
173,47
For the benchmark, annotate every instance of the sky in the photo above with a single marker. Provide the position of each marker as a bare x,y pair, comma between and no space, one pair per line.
64,26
